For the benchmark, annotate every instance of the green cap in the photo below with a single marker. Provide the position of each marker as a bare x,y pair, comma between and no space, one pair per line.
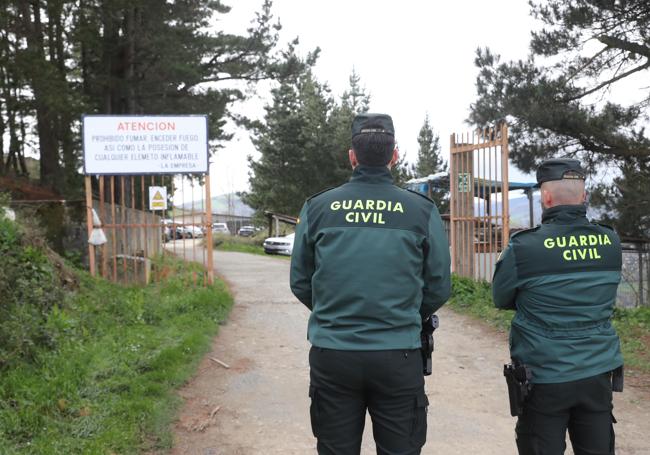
372,123
557,170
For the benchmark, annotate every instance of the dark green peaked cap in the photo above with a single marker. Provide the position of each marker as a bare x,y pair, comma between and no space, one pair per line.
557,170
372,123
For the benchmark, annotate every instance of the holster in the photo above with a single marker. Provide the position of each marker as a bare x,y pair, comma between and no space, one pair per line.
426,338
518,379
618,378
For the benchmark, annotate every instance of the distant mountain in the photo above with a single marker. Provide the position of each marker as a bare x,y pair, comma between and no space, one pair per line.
520,210
223,204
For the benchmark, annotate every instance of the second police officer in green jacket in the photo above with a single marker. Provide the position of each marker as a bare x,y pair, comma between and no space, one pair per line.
561,278
370,260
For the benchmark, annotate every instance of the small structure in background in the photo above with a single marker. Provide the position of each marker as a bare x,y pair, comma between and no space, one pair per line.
275,219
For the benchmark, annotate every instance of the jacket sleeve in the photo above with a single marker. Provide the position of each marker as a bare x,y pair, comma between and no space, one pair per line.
302,260
504,281
436,271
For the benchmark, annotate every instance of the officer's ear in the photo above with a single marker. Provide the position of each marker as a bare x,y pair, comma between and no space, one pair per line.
546,198
353,158
394,159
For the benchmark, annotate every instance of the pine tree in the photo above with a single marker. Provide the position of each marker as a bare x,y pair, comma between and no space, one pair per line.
295,142
429,159
355,100
557,100
303,141
62,58
430,162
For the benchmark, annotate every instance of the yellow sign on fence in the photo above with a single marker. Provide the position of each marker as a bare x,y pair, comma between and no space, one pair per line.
157,198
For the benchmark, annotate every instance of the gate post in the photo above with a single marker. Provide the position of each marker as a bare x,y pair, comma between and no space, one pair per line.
478,169
89,223
462,206
505,186
208,233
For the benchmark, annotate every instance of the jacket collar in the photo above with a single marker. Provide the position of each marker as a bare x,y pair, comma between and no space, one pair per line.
371,174
565,214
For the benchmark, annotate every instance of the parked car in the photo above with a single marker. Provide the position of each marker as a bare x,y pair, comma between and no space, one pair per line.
220,228
246,231
279,245
189,232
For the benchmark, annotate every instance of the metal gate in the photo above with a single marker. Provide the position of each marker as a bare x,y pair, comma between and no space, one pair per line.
479,200
138,238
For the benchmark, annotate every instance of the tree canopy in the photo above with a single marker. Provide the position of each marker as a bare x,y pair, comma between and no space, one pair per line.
430,162
559,100
303,140
62,58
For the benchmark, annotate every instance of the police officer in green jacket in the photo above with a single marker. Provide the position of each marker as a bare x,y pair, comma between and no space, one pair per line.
561,278
370,260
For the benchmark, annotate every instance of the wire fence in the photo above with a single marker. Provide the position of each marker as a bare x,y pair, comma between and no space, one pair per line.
634,290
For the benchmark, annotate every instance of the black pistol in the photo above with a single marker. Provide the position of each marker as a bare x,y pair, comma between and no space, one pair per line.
429,325
617,379
518,378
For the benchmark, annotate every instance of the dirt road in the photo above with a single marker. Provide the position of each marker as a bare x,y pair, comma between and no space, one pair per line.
260,405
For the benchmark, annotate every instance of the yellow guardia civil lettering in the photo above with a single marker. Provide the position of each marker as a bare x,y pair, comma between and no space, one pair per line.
590,241
366,210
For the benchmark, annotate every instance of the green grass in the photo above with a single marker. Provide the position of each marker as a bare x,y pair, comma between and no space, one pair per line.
119,353
633,325
252,245
475,298
233,245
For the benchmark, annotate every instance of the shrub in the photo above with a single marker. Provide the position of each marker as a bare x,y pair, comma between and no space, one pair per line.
29,288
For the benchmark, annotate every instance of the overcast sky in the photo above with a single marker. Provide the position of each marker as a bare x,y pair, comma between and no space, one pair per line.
413,57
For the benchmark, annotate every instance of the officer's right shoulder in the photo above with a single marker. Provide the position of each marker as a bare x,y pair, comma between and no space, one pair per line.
523,232
607,226
423,196
321,192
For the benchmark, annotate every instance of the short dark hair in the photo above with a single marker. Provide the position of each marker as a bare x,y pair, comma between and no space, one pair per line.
373,149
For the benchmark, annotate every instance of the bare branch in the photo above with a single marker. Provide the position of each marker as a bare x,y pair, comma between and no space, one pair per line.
629,46
645,66
589,62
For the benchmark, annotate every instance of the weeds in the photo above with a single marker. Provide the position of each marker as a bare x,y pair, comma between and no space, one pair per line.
93,371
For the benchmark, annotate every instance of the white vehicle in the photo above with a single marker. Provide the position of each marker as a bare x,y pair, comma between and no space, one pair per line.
220,228
279,245
246,231
190,232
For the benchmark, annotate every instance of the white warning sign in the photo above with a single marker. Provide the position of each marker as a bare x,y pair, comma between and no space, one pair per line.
119,144
157,198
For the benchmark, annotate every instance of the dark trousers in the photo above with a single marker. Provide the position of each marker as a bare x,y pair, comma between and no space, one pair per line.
583,407
389,384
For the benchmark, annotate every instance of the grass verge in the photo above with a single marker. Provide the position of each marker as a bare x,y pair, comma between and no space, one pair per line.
106,384
633,325
239,246
475,298
252,245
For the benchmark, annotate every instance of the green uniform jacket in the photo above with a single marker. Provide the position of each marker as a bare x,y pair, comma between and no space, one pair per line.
369,259
561,277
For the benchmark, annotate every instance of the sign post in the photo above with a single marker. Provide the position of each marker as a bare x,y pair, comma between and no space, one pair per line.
153,151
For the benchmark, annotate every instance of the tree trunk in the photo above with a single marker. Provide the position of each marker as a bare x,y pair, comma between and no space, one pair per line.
64,124
50,172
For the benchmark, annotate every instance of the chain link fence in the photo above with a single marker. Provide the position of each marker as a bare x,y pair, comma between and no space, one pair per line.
634,290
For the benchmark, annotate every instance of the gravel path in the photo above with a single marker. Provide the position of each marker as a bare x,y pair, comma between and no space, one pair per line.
260,405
